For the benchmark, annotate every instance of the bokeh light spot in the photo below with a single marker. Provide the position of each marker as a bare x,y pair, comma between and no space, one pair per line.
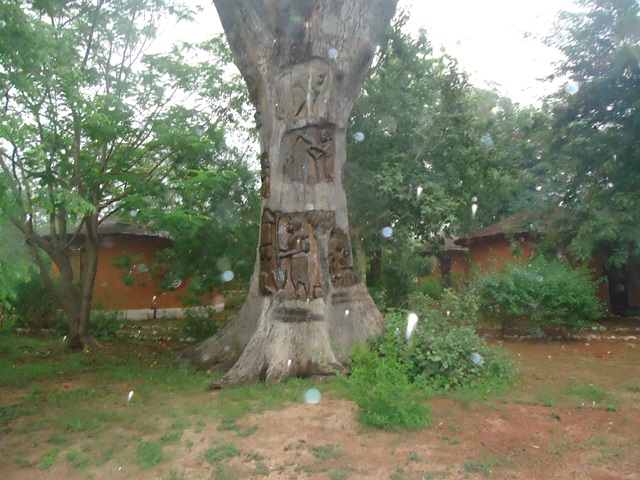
312,396
227,276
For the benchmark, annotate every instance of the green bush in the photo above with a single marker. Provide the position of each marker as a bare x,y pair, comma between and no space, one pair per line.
544,292
441,353
233,300
385,396
34,307
391,379
105,324
430,287
200,323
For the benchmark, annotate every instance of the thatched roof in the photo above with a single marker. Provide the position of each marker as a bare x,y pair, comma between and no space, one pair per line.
113,227
449,246
517,225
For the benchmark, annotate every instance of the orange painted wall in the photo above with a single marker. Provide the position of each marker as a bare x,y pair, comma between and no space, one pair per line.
492,254
110,290
459,265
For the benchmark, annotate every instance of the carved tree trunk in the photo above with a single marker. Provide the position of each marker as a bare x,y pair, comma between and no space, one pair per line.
303,62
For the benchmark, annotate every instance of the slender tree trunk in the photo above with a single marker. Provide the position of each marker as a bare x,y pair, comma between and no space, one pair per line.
303,62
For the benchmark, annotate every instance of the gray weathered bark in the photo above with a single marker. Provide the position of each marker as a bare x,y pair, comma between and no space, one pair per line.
303,62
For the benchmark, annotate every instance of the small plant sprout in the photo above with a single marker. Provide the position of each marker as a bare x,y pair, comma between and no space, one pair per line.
129,397
411,324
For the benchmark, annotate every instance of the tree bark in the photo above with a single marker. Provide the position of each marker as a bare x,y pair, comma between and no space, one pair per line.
303,62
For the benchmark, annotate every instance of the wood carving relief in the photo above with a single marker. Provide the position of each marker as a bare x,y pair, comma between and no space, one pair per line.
308,154
301,90
340,263
290,253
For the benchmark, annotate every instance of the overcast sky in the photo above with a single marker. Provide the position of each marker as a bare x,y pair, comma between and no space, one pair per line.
499,42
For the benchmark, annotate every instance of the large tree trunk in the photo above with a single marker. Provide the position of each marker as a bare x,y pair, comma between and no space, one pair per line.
303,62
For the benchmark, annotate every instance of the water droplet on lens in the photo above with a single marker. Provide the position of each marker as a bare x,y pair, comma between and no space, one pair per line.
411,324
388,124
387,232
358,137
227,276
477,359
486,141
312,396
333,53
571,87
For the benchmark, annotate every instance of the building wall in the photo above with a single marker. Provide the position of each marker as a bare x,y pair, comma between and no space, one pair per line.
458,265
493,253
111,292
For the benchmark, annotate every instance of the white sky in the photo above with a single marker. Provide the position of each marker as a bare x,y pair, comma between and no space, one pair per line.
499,42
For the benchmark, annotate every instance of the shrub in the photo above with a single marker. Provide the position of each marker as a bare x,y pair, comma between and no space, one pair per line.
441,353
391,379
384,394
430,287
105,324
544,292
34,307
234,299
200,323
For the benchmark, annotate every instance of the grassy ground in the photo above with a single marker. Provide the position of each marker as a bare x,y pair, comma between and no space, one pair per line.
79,409
70,415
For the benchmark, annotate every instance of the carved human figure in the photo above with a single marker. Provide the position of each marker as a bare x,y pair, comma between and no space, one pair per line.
309,154
297,250
340,265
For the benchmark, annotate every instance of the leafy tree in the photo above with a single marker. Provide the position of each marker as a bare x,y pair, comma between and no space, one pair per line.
93,126
426,145
15,265
596,169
